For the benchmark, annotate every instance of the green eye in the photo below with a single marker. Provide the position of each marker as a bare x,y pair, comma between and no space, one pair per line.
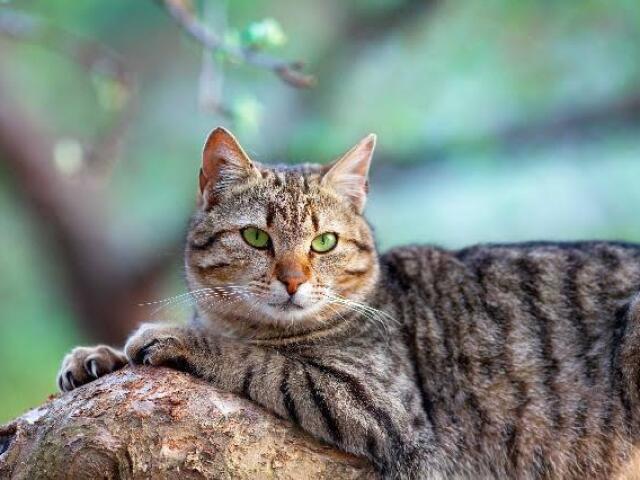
324,242
255,237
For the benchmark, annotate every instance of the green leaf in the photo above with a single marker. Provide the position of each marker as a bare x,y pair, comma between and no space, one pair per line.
266,33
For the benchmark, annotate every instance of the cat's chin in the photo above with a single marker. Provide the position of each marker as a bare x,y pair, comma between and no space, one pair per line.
290,312
284,315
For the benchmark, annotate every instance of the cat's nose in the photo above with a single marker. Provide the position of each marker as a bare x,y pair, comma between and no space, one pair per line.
292,283
292,273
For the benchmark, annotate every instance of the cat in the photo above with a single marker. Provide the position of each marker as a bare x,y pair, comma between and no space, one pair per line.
494,361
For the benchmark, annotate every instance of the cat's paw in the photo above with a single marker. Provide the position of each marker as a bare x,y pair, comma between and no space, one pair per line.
84,364
159,346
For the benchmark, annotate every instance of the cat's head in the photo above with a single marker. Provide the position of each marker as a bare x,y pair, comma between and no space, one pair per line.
279,247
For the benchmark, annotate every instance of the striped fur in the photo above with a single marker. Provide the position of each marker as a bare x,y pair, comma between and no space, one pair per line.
496,361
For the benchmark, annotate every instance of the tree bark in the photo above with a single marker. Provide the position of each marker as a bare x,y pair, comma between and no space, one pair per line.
158,423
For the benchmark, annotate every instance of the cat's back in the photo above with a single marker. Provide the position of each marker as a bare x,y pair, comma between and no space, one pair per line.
605,268
518,350
587,280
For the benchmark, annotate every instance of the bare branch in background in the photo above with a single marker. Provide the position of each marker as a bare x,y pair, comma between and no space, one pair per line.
574,123
210,87
289,72
558,127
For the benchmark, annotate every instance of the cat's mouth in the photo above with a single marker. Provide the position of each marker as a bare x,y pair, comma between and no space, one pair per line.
287,306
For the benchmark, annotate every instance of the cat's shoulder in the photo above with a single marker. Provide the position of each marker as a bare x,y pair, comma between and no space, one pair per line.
415,260
421,255
544,247
414,252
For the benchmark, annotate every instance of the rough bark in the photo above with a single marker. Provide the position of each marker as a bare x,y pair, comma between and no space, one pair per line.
162,424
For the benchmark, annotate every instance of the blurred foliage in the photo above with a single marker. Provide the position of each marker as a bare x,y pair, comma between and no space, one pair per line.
442,86
265,33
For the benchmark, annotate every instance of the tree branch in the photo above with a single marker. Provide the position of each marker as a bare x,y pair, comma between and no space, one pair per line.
289,72
157,423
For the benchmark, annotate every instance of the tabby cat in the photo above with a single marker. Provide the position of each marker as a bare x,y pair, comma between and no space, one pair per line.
495,361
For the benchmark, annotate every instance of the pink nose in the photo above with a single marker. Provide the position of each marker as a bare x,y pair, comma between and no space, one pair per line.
292,273
292,282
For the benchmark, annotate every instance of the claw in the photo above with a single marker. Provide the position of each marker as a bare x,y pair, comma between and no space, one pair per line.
141,356
70,380
92,368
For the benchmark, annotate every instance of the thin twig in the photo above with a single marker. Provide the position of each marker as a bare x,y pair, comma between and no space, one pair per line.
210,96
289,72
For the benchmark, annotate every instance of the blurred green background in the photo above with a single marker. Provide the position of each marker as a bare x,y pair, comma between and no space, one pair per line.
497,121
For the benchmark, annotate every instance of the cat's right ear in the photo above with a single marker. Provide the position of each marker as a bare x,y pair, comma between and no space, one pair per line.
348,176
224,164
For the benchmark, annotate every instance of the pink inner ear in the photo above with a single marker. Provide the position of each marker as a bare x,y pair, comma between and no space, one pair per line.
222,157
210,172
220,147
348,175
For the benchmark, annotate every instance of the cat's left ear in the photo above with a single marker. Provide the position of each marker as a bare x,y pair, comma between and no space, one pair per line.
224,164
349,175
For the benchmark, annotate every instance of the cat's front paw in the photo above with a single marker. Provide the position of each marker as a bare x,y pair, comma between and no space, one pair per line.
159,346
84,364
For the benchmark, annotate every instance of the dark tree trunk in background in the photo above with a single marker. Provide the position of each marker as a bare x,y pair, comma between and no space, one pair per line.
162,424
104,285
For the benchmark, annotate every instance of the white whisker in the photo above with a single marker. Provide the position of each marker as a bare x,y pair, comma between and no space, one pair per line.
375,315
194,296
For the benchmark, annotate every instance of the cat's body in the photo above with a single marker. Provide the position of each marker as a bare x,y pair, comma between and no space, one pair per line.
518,355
515,361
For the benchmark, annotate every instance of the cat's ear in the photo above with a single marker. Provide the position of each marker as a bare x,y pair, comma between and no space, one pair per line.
224,163
348,176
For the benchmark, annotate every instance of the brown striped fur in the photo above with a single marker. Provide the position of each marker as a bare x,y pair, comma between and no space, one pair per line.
496,361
